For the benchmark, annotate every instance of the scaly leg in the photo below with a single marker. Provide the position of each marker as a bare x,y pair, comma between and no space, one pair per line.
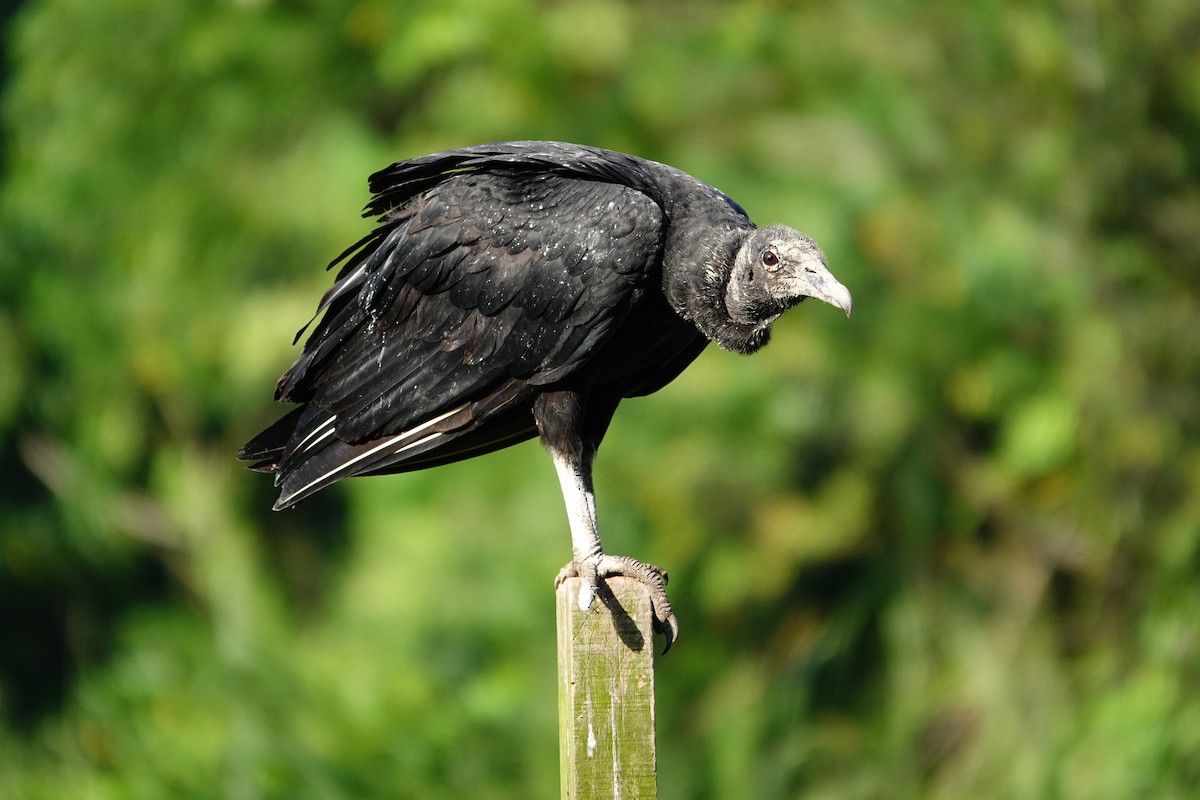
590,563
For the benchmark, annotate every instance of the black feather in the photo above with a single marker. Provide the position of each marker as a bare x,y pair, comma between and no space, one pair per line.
497,273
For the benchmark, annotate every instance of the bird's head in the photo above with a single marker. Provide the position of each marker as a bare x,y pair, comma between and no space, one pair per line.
774,269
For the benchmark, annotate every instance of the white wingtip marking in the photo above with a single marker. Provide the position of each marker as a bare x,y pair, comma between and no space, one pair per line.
306,442
319,439
343,286
383,445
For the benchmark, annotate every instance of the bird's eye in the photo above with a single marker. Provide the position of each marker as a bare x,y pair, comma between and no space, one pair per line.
770,258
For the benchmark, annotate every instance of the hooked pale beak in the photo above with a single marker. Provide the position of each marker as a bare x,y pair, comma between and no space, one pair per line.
815,280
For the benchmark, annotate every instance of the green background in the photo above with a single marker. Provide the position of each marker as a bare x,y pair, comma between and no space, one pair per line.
948,548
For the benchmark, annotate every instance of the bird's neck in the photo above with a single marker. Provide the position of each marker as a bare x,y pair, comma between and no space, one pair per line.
695,274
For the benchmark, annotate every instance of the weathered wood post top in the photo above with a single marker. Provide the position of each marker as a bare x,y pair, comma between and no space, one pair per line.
606,693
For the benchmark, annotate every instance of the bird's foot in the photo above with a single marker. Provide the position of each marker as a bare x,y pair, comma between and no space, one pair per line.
593,569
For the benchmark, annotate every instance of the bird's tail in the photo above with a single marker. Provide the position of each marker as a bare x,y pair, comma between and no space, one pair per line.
267,449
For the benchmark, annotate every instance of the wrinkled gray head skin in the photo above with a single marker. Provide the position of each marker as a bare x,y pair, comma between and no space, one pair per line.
774,269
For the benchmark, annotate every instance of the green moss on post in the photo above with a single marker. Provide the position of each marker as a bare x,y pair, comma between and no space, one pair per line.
606,693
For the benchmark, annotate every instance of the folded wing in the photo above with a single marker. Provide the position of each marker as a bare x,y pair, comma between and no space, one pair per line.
482,284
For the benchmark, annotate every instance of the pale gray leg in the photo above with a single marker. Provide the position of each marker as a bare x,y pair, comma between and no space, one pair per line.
590,563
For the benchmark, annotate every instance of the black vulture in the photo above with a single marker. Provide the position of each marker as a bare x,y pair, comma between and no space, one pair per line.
524,289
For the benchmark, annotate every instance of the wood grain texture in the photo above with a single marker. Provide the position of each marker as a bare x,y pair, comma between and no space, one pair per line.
606,693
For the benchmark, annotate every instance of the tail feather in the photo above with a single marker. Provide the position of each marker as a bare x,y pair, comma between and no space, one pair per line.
333,459
306,452
268,447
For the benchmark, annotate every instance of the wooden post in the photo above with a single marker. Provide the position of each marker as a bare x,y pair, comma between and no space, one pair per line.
606,693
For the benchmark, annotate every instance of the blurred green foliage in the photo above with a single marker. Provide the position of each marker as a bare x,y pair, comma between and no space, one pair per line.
947,549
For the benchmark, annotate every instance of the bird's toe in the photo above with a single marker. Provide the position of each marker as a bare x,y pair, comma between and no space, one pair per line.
653,578
589,583
569,570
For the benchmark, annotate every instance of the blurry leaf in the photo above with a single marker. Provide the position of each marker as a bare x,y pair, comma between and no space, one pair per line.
1040,435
